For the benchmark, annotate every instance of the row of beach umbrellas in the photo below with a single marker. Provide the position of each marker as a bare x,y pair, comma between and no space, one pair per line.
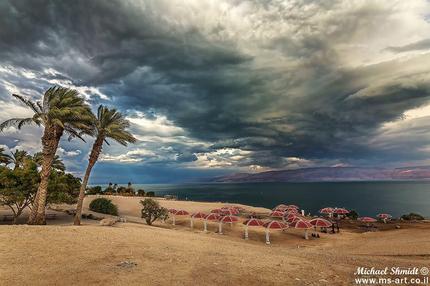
228,215
289,216
342,211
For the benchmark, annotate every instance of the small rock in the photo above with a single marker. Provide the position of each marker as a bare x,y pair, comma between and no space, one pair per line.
107,222
397,226
127,264
323,280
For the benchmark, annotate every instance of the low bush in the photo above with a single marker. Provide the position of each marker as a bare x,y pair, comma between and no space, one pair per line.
412,216
352,215
104,206
141,192
150,194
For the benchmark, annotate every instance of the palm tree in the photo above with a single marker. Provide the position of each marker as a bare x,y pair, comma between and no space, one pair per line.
109,124
57,163
4,158
18,158
61,111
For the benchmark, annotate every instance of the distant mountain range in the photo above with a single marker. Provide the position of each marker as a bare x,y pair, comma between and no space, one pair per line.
321,174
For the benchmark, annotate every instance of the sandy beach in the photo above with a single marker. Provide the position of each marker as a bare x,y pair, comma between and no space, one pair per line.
136,254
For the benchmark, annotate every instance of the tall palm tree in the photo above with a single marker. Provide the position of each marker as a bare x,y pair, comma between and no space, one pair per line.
4,158
57,163
61,111
109,124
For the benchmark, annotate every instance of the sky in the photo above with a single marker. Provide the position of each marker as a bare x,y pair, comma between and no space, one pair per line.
214,87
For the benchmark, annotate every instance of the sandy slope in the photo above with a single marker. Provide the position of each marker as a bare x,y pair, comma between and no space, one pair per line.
177,255
88,255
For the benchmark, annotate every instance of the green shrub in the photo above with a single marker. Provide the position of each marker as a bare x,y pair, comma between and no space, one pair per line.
352,215
152,211
412,216
104,206
141,192
97,190
150,194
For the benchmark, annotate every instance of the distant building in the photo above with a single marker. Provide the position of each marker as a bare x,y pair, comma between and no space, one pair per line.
170,197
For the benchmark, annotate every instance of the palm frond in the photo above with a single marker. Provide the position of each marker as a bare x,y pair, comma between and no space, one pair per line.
33,106
16,122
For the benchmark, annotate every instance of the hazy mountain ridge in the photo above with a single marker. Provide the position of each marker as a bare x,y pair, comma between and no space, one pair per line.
331,174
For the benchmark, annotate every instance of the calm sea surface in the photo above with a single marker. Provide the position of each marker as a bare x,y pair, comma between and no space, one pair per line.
367,198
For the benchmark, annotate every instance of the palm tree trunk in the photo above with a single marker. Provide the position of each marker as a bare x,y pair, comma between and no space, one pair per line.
95,153
50,140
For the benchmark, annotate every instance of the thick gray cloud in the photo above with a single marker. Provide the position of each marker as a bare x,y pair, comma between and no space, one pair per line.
276,83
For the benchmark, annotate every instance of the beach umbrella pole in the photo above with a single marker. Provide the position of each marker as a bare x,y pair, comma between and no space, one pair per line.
267,236
246,232
306,234
192,222
173,219
205,226
220,228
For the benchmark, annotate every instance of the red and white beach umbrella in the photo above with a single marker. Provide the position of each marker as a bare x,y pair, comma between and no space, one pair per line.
229,219
178,212
292,211
230,212
384,217
273,224
341,211
292,207
216,211
197,215
290,217
172,211
367,219
251,222
210,217
277,214
293,221
320,222
327,210
226,219
303,224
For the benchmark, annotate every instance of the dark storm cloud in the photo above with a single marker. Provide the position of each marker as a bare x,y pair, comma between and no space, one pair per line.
278,87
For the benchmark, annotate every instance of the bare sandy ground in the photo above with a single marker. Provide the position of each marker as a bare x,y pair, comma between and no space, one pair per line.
177,255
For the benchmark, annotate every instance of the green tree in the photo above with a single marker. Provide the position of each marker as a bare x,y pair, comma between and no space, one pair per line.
61,111
18,187
152,211
63,188
109,124
4,158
